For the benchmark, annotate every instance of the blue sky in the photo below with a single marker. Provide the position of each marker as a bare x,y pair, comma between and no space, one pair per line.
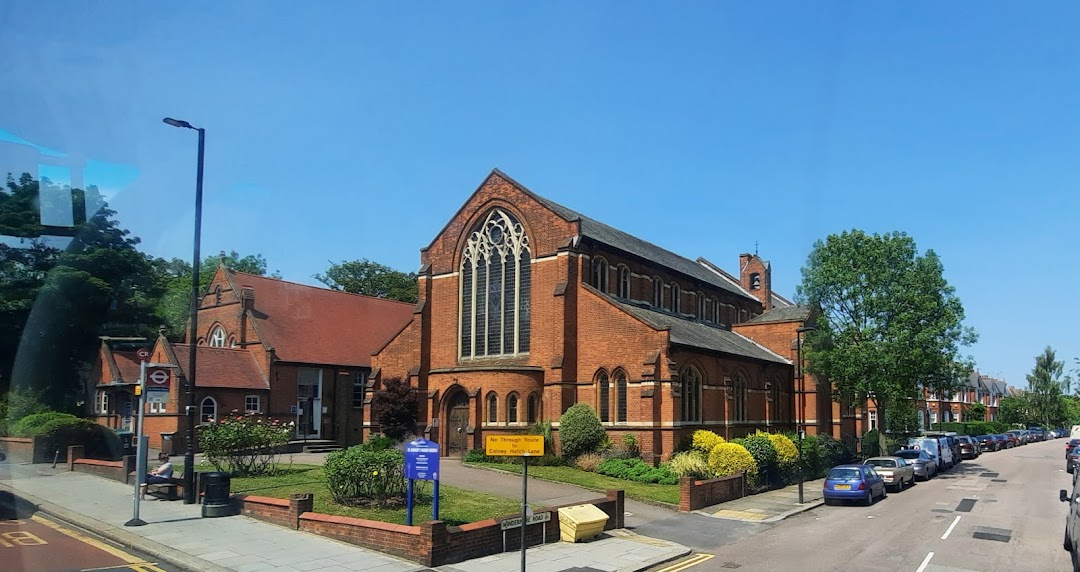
340,130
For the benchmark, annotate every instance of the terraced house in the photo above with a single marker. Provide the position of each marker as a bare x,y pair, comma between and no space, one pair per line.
528,307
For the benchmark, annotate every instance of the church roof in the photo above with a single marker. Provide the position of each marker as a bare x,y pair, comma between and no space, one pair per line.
692,333
610,236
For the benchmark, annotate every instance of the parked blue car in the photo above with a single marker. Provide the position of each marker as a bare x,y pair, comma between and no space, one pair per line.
853,483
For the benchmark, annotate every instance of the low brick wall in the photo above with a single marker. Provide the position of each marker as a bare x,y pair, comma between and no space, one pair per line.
432,543
115,470
695,494
24,450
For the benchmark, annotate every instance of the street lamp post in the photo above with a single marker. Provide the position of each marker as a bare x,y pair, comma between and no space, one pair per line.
190,495
802,402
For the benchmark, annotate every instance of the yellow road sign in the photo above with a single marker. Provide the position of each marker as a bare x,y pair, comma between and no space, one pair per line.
514,445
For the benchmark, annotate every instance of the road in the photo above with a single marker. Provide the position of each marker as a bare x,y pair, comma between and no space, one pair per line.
999,512
33,542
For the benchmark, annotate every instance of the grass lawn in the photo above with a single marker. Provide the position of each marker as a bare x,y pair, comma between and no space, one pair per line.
641,491
456,506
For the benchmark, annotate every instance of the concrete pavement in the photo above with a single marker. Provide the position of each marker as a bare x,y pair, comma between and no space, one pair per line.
769,506
177,534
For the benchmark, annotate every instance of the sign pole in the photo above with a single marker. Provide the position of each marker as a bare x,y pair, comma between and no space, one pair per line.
408,503
140,452
524,505
435,499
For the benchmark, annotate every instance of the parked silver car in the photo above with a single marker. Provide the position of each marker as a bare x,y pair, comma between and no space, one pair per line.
896,471
924,465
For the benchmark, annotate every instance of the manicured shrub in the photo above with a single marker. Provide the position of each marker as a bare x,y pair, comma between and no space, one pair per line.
764,454
476,456
243,445
727,459
833,453
580,431
630,443
692,464
34,424
786,452
589,462
378,442
870,446
356,476
17,404
705,441
638,471
98,442
812,457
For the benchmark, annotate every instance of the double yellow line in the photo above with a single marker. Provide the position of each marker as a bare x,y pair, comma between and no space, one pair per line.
689,562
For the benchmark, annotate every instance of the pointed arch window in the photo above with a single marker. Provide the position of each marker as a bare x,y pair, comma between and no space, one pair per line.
492,408
600,274
740,391
496,280
657,292
701,304
533,409
777,406
217,337
603,388
714,310
691,394
620,397
675,298
512,408
624,282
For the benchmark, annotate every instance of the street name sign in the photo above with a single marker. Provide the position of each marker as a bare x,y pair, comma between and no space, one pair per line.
531,519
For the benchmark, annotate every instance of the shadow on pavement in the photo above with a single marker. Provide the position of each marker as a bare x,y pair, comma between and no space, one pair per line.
14,508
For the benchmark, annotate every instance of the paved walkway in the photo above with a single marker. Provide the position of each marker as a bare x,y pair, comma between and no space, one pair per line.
769,506
178,535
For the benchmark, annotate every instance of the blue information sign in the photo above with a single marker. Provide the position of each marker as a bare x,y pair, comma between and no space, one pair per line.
422,460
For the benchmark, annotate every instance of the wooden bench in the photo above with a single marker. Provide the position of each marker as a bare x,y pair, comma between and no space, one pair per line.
167,491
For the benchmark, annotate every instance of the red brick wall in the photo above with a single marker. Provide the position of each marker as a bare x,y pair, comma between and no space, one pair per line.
695,494
22,450
396,539
267,509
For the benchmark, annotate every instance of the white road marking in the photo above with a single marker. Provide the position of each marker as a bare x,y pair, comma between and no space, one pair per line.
951,526
925,562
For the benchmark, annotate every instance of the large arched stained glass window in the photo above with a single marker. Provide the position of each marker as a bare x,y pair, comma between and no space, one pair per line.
495,287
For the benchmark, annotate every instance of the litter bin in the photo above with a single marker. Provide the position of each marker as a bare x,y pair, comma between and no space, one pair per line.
167,443
580,522
216,494
127,442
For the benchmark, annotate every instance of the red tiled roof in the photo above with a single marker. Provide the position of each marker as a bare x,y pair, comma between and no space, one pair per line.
307,324
128,364
222,367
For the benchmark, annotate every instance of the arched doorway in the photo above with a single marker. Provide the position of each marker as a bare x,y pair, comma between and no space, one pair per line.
457,424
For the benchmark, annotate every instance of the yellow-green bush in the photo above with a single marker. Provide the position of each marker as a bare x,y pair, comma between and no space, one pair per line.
691,464
786,452
729,459
704,441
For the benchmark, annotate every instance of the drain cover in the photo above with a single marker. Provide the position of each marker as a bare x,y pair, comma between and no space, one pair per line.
940,510
990,475
999,480
965,505
731,565
995,534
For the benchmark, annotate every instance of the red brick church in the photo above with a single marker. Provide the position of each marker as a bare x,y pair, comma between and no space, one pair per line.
528,307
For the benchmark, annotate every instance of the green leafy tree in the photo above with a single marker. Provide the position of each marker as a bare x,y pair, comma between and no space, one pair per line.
1015,410
173,308
890,325
371,279
580,431
975,412
54,303
1046,386
396,408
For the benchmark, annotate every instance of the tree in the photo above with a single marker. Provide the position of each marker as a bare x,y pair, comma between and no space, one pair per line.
890,325
975,412
370,278
55,303
1046,387
174,306
395,408
1015,410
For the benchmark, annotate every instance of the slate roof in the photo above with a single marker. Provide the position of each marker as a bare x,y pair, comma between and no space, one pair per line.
615,238
782,314
307,324
689,332
222,367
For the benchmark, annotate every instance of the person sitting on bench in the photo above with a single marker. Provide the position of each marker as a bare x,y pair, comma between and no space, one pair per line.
159,476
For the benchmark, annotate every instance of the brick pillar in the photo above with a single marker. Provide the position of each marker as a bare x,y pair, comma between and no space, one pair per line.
435,543
620,507
686,491
74,452
129,467
299,503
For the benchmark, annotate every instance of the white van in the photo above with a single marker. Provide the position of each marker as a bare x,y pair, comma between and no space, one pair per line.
936,447
1075,432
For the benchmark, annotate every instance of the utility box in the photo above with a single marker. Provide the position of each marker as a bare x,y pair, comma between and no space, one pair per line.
581,522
